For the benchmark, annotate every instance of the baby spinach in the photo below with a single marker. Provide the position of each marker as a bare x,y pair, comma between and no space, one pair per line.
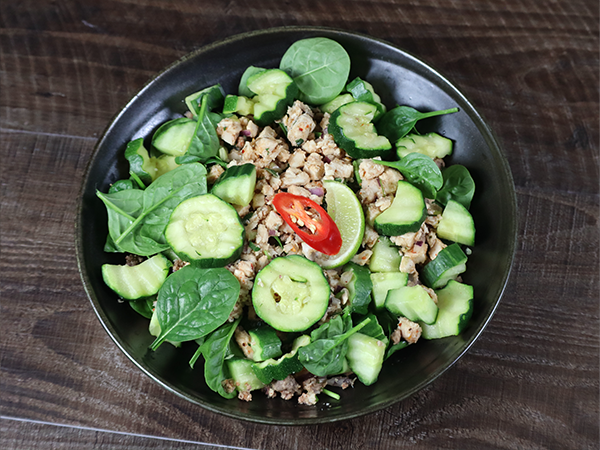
205,141
375,330
215,350
328,347
121,185
143,306
398,122
137,219
458,185
419,170
193,302
319,67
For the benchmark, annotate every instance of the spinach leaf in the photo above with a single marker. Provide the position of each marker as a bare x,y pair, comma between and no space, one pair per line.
121,185
319,67
215,350
398,122
143,306
198,352
205,141
193,302
328,347
375,330
360,288
458,185
394,348
137,219
419,170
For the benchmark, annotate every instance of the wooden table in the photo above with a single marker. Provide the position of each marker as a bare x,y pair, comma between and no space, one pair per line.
530,67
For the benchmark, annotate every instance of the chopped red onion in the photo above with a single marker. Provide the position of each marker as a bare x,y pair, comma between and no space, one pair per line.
247,133
317,191
272,232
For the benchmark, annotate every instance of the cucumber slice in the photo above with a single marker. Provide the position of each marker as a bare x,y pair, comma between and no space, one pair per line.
383,283
275,91
164,164
334,104
140,163
346,211
365,357
359,288
174,137
214,95
352,130
278,369
430,144
406,214
134,282
363,91
448,264
240,371
385,257
456,224
206,230
243,86
412,302
239,105
236,185
265,343
455,303
290,293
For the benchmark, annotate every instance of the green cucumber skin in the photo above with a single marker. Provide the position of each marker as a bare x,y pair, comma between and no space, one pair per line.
265,343
348,144
232,181
174,130
383,283
278,369
412,302
456,224
241,372
214,94
359,288
363,91
110,271
273,311
207,262
277,111
449,258
365,357
138,157
382,224
455,303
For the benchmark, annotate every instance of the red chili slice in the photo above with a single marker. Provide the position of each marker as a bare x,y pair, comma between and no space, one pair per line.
309,221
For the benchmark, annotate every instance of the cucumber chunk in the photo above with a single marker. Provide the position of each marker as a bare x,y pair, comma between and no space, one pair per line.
412,302
134,282
290,293
206,230
241,373
275,91
385,257
365,357
456,224
351,128
238,104
236,184
278,369
448,264
243,86
363,91
174,137
430,144
455,303
405,215
334,104
265,343
384,282
214,95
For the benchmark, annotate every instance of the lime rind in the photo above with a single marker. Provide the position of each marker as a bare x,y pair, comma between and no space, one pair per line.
346,211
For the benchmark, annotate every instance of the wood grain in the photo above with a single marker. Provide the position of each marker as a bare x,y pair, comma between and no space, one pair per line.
531,68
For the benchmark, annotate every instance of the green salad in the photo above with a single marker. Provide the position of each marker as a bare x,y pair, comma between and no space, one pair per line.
296,231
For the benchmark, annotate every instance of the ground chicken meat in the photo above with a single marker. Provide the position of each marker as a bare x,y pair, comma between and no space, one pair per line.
312,386
288,387
215,172
229,129
242,339
294,176
407,330
133,260
299,123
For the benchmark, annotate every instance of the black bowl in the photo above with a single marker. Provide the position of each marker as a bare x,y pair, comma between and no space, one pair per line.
400,78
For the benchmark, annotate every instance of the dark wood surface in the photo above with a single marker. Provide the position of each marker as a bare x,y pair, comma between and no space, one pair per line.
531,67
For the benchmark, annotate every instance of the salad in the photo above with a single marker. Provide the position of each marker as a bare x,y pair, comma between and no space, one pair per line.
297,232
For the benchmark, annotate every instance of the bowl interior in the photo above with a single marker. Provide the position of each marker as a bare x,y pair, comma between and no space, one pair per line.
400,79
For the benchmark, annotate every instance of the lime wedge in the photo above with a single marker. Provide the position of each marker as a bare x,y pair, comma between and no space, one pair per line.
346,211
